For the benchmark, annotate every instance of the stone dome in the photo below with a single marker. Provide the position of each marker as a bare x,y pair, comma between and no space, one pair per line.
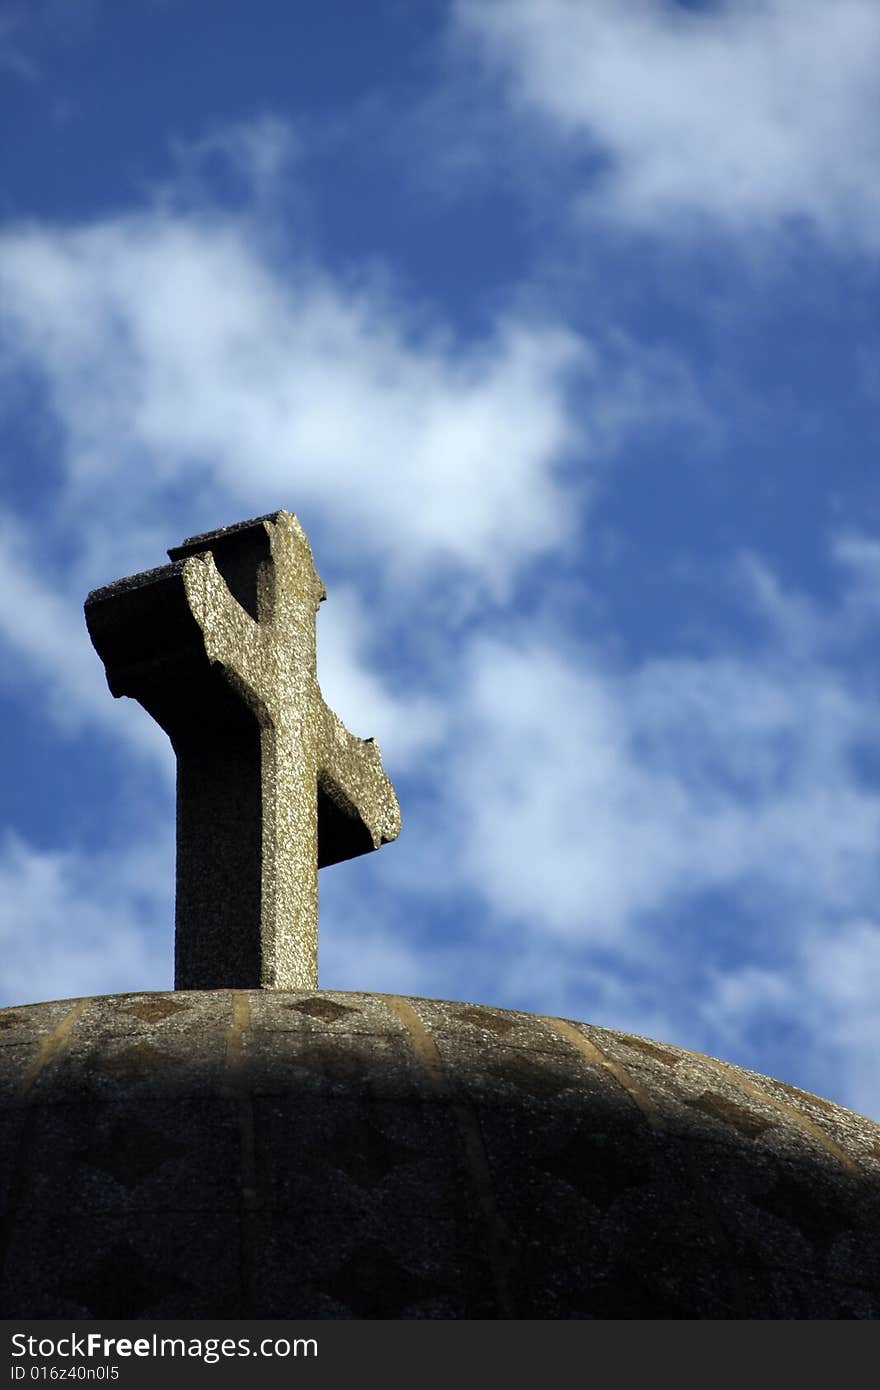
241,1153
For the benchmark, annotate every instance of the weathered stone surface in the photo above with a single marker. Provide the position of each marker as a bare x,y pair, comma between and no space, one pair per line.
301,1154
219,647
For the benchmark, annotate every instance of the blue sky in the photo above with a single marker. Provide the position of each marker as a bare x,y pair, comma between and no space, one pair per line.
555,322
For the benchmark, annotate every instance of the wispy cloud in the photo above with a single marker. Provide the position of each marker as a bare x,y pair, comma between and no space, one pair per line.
824,999
74,923
594,800
749,114
170,349
192,375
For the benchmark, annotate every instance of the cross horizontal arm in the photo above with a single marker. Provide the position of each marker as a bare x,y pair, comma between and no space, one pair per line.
357,807
231,635
167,634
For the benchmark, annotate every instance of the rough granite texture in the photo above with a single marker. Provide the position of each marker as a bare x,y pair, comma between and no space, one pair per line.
219,647
240,1153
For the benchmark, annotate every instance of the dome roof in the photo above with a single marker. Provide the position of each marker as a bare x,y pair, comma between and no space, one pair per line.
236,1153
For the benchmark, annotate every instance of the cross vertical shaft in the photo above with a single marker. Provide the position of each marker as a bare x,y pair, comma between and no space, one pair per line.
219,646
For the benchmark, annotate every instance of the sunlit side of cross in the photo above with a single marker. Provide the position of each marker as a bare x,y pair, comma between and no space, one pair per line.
219,647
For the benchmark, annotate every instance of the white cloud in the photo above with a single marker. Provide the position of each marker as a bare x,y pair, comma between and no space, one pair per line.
411,724
559,825
826,997
843,971
45,643
45,632
193,377
174,353
261,151
74,924
750,112
859,556
593,800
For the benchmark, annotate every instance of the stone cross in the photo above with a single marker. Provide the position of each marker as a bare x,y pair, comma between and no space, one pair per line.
219,647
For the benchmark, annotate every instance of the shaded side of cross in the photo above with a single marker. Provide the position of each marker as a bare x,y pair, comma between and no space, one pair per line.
219,647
